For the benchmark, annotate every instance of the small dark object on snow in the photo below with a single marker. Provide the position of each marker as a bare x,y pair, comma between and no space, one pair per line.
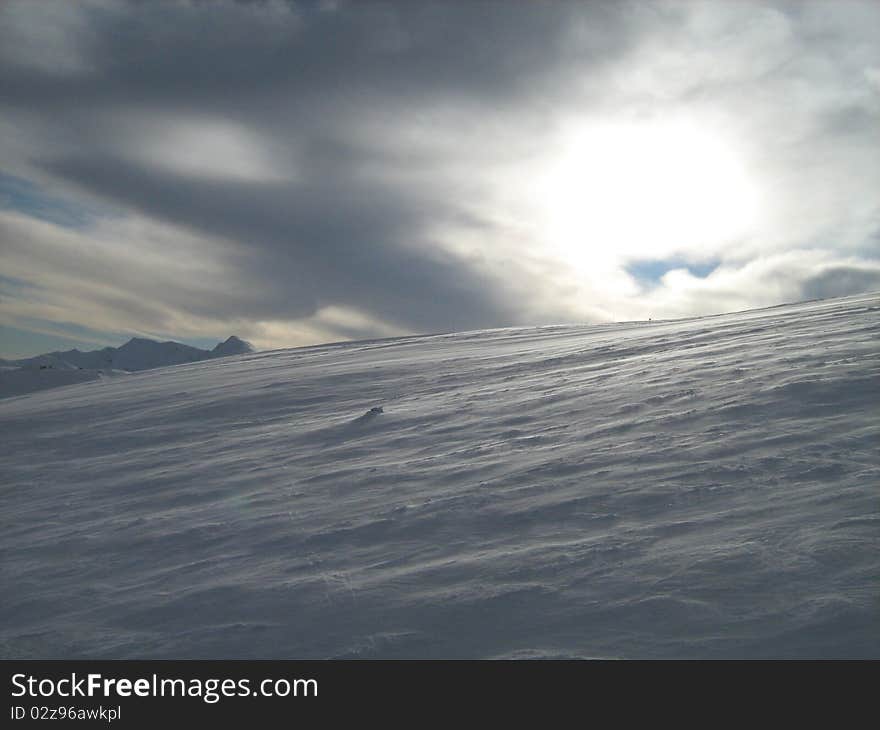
376,409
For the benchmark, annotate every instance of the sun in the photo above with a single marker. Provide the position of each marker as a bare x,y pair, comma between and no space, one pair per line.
649,190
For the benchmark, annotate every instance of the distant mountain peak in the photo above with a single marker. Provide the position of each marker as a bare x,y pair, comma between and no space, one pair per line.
139,341
233,346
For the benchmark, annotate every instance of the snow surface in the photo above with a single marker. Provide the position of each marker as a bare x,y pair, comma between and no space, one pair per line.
699,488
18,381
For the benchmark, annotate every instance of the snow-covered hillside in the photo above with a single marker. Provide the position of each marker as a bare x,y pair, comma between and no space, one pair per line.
698,488
18,381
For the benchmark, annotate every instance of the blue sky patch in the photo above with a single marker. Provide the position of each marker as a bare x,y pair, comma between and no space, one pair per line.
651,271
30,199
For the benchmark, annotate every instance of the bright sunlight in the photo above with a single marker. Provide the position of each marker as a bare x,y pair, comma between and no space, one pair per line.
644,190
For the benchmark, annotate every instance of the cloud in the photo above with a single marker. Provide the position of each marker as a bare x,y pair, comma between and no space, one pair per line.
45,39
840,280
300,171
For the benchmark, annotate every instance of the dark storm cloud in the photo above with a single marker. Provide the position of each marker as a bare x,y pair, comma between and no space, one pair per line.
322,242
301,77
219,54
840,281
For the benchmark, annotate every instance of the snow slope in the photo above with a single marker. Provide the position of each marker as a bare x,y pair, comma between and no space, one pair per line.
18,381
698,488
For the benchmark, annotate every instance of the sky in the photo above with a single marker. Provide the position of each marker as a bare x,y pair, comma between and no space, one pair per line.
305,172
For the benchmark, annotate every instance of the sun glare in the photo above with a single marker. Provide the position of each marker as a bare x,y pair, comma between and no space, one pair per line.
644,190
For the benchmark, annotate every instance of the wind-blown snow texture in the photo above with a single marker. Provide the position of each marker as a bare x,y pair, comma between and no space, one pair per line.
699,488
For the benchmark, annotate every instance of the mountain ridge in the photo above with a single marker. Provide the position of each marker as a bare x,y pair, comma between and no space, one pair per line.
138,353
54,369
